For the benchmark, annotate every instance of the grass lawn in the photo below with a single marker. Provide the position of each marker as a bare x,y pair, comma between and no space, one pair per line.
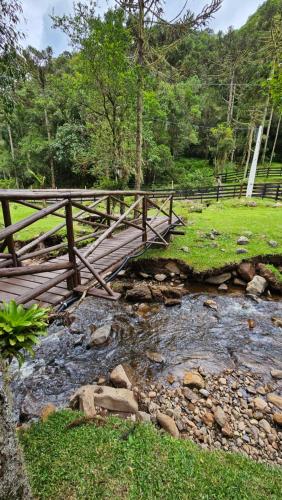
231,218
91,462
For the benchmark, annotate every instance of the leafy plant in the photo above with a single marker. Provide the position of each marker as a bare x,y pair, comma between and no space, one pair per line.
20,329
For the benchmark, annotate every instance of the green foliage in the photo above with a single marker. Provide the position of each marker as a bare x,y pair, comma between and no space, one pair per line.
276,272
91,462
20,329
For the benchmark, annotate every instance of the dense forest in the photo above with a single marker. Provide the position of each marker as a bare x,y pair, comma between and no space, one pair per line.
70,121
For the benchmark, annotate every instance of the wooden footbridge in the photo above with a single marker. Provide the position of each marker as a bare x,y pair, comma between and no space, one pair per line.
116,225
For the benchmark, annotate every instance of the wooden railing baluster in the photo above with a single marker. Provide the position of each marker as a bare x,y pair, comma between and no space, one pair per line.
74,280
10,239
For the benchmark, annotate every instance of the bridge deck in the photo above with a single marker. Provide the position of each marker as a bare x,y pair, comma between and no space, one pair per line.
14,287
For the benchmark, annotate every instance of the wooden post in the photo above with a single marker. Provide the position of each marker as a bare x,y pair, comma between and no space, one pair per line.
277,192
121,205
74,280
144,219
10,238
170,210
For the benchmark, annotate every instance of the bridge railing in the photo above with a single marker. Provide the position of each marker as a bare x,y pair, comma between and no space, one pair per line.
105,213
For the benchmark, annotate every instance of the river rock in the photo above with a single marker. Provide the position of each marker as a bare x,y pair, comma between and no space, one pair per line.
218,280
114,399
276,374
275,400
239,282
190,395
265,426
47,411
172,267
277,418
83,399
220,416
119,378
277,321
257,285
223,287
168,424
208,418
211,304
193,379
243,240
172,302
160,277
143,416
101,335
155,357
227,431
259,404
247,271
139,293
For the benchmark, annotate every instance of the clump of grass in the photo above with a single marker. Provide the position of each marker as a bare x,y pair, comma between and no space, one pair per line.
90,462
276,272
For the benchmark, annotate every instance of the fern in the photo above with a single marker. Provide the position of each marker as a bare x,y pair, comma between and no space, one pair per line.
20,329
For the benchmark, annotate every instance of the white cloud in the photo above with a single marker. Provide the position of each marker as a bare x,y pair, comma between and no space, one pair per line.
39,34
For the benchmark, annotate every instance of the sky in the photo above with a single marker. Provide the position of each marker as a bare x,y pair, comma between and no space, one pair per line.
38,26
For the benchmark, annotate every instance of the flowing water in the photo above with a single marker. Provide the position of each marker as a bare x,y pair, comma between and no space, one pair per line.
189,335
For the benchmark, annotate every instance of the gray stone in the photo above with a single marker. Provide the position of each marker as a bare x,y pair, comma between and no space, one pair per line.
101,335
241,251
160,277
257,286
220,416
218,280
185,249
273,243
243,240
155,357
114,399
143,416
223,288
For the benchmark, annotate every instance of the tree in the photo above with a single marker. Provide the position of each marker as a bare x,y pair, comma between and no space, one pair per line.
143,14
223,139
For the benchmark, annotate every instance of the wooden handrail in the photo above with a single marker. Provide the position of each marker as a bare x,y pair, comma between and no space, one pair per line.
39,268
22,224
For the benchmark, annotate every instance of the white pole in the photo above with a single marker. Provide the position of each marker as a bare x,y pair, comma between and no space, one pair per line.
253,170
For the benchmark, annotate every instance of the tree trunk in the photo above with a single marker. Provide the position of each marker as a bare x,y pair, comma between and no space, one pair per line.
13,479
275,140
251,136
140,103
51,161
267,135
13,154
231,99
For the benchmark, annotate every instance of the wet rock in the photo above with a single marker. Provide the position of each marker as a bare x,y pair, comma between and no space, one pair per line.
259,404
194,379
257,285
239,282
101,335
275,400
220,416
170,378
277,418
83,399
276,374
119,378
113,399
223,288
277,321
155,357
241,251
273,243
243,240
139,293
168,424
211,304
172,302
247,271
218,280
46,411
160,277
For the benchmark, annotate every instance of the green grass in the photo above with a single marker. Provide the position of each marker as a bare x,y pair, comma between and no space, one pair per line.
232,218
276,273
90,462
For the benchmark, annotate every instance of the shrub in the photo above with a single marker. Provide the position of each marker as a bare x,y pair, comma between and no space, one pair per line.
20,329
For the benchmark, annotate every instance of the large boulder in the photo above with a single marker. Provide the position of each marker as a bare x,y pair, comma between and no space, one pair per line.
83,399
257,285
119,378
247,271
218,280
110,398
101,335
139,293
